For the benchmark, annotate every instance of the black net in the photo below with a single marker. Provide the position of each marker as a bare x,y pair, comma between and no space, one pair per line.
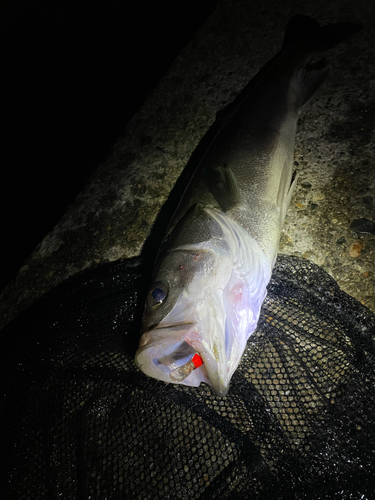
79,421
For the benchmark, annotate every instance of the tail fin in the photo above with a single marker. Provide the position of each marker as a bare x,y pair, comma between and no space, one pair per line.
305,33
303,38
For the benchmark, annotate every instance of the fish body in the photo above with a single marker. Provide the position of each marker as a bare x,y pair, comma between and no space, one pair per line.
212,271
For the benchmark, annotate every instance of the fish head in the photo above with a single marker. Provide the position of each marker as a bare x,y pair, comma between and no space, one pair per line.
184,314
200,302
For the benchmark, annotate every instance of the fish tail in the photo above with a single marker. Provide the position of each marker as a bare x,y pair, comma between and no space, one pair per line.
305,34
304,37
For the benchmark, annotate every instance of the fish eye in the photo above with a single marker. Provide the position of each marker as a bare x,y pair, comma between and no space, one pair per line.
157,294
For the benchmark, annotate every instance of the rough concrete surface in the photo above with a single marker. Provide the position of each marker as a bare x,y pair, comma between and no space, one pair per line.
334,153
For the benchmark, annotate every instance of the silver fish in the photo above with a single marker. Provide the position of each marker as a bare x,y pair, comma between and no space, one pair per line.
212,271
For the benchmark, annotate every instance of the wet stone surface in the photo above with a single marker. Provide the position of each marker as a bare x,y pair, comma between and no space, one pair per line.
334,228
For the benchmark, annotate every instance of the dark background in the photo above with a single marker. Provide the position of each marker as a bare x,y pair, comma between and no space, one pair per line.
73,74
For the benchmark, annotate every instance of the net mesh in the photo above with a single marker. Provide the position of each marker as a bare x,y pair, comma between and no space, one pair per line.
79,421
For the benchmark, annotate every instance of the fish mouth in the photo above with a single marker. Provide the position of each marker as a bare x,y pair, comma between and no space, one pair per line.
167,350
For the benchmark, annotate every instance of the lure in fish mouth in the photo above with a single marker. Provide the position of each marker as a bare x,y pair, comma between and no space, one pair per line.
212,271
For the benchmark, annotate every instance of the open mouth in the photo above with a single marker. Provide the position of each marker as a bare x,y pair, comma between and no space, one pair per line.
168,354
177,362
176,354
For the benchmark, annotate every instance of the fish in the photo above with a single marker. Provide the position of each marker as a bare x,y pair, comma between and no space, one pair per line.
211,272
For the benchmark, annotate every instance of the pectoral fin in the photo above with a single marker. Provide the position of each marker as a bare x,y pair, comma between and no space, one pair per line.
222,183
